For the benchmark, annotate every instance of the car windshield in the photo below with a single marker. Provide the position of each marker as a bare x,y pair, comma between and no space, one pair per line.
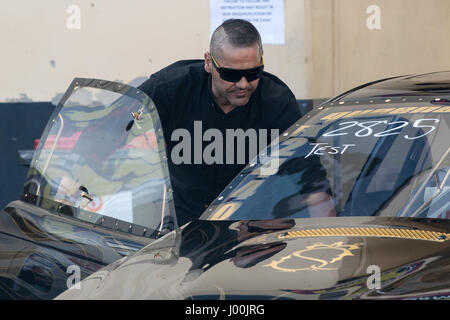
102,159
349,160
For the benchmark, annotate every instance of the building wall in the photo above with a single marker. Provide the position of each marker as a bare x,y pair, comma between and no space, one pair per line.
119,40
413,38
328,46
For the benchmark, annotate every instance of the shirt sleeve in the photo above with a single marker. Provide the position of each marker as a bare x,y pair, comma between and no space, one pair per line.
289,113
281,107
158,92
284,109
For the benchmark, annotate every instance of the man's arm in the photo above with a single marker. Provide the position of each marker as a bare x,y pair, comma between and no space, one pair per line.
282,107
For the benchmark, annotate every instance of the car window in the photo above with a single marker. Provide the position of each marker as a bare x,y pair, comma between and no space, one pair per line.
349,161
102,159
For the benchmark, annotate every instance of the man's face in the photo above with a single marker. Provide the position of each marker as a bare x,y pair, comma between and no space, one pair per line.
233,93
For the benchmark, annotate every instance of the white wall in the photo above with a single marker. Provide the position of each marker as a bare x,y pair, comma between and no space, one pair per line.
350,48
119,40
328,46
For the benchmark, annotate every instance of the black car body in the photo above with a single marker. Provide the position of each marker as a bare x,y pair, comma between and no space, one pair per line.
352,202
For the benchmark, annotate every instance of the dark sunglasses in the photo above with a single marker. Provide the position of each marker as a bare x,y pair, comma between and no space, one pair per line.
235,75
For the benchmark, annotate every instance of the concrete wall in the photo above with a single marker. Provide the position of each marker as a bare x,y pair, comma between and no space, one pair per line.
413,38
118,40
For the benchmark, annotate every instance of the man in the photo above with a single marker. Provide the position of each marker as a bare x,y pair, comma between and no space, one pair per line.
228,90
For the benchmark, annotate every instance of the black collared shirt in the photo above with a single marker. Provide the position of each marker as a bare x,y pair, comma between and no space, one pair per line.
182,94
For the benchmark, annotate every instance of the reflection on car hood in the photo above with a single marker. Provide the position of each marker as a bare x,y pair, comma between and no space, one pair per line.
323,258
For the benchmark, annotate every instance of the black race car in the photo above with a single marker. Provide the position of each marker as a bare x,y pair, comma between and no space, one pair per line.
352,202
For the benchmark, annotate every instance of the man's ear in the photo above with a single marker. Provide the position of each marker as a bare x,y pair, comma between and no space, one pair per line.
208,62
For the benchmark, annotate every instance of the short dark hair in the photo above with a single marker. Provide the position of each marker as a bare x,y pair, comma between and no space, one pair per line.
239,33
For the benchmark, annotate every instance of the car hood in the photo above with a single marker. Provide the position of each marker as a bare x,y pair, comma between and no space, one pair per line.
321,258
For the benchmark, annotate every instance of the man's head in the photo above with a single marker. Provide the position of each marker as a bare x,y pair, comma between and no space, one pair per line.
234,61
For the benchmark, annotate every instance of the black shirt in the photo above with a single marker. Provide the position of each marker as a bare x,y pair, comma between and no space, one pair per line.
182,94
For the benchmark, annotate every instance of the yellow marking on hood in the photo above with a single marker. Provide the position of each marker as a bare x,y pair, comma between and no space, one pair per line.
368,232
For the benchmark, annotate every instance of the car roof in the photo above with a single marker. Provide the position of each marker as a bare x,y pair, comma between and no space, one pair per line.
434,84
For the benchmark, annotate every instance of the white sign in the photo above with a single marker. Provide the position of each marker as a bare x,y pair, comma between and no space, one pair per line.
266,15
